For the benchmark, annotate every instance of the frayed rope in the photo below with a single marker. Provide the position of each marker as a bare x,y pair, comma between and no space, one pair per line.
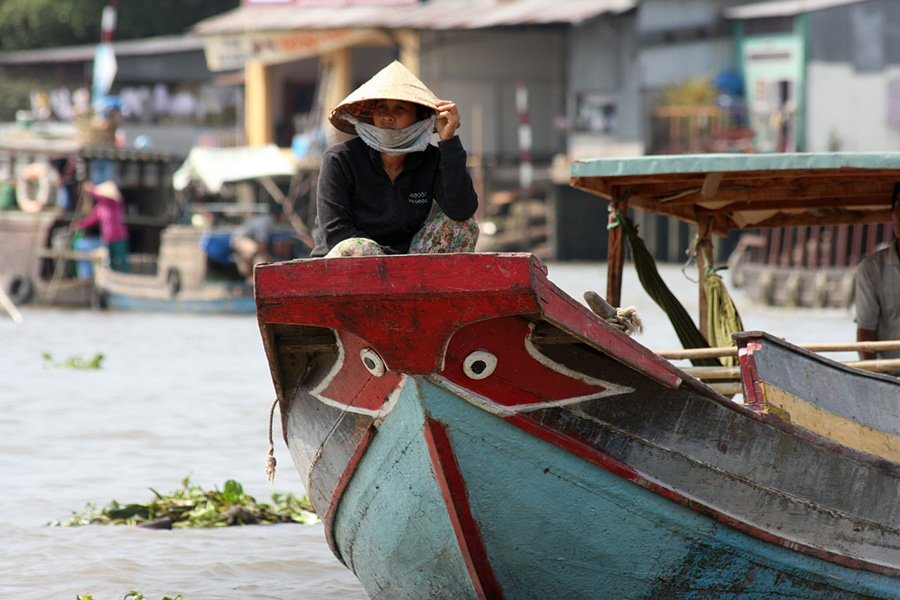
270,457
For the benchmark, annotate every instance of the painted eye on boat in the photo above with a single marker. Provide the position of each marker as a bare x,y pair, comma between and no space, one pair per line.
479,364
372,362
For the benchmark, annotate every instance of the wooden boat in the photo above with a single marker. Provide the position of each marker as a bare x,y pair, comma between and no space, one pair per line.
180,278
468,430
193,270
35,238
34,268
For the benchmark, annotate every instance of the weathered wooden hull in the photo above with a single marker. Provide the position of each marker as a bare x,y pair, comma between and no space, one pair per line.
857,409
177,281
151,293
468,430
30,270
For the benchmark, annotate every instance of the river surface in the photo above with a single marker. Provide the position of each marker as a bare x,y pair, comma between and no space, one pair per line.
180,396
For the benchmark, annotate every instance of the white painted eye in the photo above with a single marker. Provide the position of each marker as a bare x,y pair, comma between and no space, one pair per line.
372,362
479,364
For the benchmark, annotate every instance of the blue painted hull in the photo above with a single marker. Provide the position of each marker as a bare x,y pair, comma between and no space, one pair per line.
237,305
392,527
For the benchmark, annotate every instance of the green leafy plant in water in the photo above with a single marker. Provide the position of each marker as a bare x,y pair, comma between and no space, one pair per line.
132,595
74,362
192,506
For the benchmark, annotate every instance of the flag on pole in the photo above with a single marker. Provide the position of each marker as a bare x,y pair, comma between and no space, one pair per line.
105,65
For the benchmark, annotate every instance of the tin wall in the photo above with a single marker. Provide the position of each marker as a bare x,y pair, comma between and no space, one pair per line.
479,70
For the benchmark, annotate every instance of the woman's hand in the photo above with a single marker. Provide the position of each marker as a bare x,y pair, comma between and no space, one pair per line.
447,119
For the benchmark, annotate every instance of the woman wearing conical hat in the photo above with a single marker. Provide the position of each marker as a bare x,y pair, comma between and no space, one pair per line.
376,191
109,214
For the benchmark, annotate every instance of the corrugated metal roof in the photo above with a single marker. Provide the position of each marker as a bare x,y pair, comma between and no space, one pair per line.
446,14
85,53
782,8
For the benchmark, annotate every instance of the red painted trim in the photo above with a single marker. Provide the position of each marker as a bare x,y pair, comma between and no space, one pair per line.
755,399
388,300
624,471
573,317
338,493
456,497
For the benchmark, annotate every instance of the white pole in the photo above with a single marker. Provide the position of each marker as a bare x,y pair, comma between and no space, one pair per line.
525,168
10,307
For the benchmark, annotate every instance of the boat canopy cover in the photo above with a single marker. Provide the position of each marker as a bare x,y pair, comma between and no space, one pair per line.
214,167
749,191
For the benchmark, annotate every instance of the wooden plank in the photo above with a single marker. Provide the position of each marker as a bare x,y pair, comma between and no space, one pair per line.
704,249
616,253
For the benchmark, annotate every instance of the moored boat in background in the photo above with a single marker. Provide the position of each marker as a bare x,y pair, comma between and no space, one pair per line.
43,177
193,269
179,278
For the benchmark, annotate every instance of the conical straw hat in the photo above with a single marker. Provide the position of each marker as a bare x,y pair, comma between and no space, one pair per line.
394,82
107,189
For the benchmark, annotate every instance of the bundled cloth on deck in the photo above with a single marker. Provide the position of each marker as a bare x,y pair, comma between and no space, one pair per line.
722,315
217,245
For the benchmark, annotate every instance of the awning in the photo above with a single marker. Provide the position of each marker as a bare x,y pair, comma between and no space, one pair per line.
85,53
748,191
432,15
232,51
214,167
782,8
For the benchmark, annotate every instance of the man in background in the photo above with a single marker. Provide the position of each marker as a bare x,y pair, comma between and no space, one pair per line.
264,238
878,293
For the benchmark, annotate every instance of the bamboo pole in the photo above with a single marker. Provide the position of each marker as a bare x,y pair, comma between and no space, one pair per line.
704,260
734,373
728,388
10,307
813,347
705,373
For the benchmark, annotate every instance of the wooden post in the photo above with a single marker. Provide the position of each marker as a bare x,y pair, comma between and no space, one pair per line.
615,260
336,67
409,43
704,260
260,130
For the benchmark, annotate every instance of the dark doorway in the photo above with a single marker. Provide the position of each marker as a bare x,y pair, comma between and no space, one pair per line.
298,100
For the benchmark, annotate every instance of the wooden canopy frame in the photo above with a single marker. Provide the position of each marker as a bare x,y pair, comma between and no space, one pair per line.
719,193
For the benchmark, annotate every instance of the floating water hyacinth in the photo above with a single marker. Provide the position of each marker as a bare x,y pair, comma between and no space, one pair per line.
192,506
132,595
74,362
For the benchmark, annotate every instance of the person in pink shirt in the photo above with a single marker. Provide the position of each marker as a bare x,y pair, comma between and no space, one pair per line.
109,214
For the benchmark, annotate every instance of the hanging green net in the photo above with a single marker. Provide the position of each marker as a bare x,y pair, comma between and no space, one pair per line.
723,316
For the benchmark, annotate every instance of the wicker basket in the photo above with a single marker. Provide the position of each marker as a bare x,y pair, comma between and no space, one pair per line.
95,131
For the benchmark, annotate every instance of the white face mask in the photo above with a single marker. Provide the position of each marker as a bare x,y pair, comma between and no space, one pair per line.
394,142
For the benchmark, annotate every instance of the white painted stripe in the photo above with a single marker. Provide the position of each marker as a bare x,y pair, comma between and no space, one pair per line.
318,390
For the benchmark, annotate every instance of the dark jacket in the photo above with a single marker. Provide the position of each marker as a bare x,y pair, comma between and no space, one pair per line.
356,198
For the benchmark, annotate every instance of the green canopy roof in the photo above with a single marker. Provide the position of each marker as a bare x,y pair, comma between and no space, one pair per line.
748,191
